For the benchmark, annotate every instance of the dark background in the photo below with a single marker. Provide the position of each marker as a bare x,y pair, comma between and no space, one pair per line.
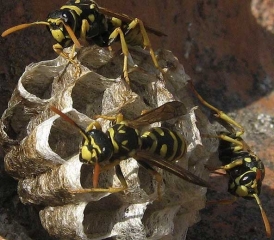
226,47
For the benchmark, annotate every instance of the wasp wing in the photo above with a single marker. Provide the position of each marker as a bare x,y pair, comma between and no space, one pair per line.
128,19
155,160
163,113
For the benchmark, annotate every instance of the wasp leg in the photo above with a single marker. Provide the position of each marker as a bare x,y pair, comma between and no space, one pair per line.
158,177
233,164
114,163
230,139
215,170
93,125
144,111
220,114
125,51
118,118
110,189
226,167
99,190
146,40
238,144
83,33
59,50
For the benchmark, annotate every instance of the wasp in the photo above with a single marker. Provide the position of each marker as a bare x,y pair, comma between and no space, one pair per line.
244,168
83,22
157,146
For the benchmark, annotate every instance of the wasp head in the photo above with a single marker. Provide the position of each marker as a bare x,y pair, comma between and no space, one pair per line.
96,147
57,21
247,184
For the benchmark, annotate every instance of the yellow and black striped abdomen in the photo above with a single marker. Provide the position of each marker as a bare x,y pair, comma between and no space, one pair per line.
166,143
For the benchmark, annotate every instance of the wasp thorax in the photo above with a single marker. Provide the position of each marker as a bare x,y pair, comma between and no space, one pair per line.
125,140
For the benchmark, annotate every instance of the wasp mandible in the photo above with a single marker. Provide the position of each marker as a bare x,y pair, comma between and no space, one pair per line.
83,22
157,146
244,168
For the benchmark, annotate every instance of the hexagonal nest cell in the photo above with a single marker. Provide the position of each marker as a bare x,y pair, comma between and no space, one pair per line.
43,149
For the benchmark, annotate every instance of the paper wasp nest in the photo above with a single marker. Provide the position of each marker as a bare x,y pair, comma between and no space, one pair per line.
42,148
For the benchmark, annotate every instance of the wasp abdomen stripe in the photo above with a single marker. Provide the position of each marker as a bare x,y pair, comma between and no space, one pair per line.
163,142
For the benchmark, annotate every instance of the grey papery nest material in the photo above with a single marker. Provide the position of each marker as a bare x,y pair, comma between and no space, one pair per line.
43,149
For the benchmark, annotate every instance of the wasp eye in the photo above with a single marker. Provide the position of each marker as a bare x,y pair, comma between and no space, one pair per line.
65,17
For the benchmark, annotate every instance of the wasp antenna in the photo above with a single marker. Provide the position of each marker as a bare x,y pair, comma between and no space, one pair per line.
64,116
265,219
72,35
259,176
22,26
96,174
69,120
